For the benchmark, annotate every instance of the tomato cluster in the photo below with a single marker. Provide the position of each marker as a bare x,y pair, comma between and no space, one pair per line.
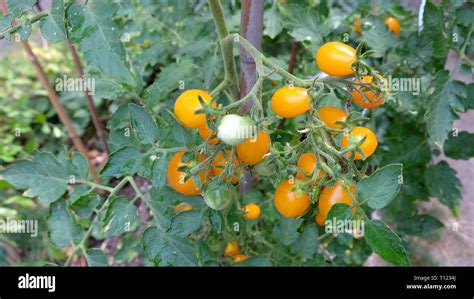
220,172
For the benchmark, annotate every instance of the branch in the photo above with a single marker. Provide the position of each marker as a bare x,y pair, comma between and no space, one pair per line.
15,28
230,72
90,102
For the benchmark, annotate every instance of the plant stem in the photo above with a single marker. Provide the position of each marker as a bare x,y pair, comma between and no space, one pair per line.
230,71
80,245
15,28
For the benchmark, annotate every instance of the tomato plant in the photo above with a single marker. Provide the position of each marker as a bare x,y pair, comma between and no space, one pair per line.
206,170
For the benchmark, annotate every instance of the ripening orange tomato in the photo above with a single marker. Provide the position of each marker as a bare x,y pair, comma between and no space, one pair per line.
231,249
220,162
357,25
182,207
176,177
336,58
240,257
329,115
333,195
288,202
367,147
252,150
307,163
186,106
205,133
290,101
393,25
252,211
359,99
319,219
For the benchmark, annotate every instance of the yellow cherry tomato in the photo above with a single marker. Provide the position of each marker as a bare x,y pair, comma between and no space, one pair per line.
329,115
368,147
240,258
231,249
333,195
186,106
206,133
252,211
252,150
359,99
335,59
393,25
176,177
288,202
290,101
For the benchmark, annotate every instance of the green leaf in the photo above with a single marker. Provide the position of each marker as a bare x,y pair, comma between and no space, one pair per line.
80,166
385,242
460,147
340,211
381,187
63,231
53,27
98,37
24,30
6,22
162,206
164,249
420,225
217,220
465,14
44,177
378,37
121,217
122,162
256,261
272,22
168,80
96,258
443,184
158,174
143,124
307,242
440,108
186,223
84,205
19,7
287,230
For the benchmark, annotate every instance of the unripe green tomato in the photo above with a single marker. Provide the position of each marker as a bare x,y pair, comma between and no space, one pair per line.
219,197
235,129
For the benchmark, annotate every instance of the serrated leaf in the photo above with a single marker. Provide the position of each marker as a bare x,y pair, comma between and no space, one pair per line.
378,37
99,39
440,107
63,231
122,162
84,205
272,23
43,177
385,242
159,167
307,243
460,147
143,124
96,258
164,249
186,223
381,187
339,211
19,7
162,205
168,80
53,27
287,230
443,184
80,165
121,217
